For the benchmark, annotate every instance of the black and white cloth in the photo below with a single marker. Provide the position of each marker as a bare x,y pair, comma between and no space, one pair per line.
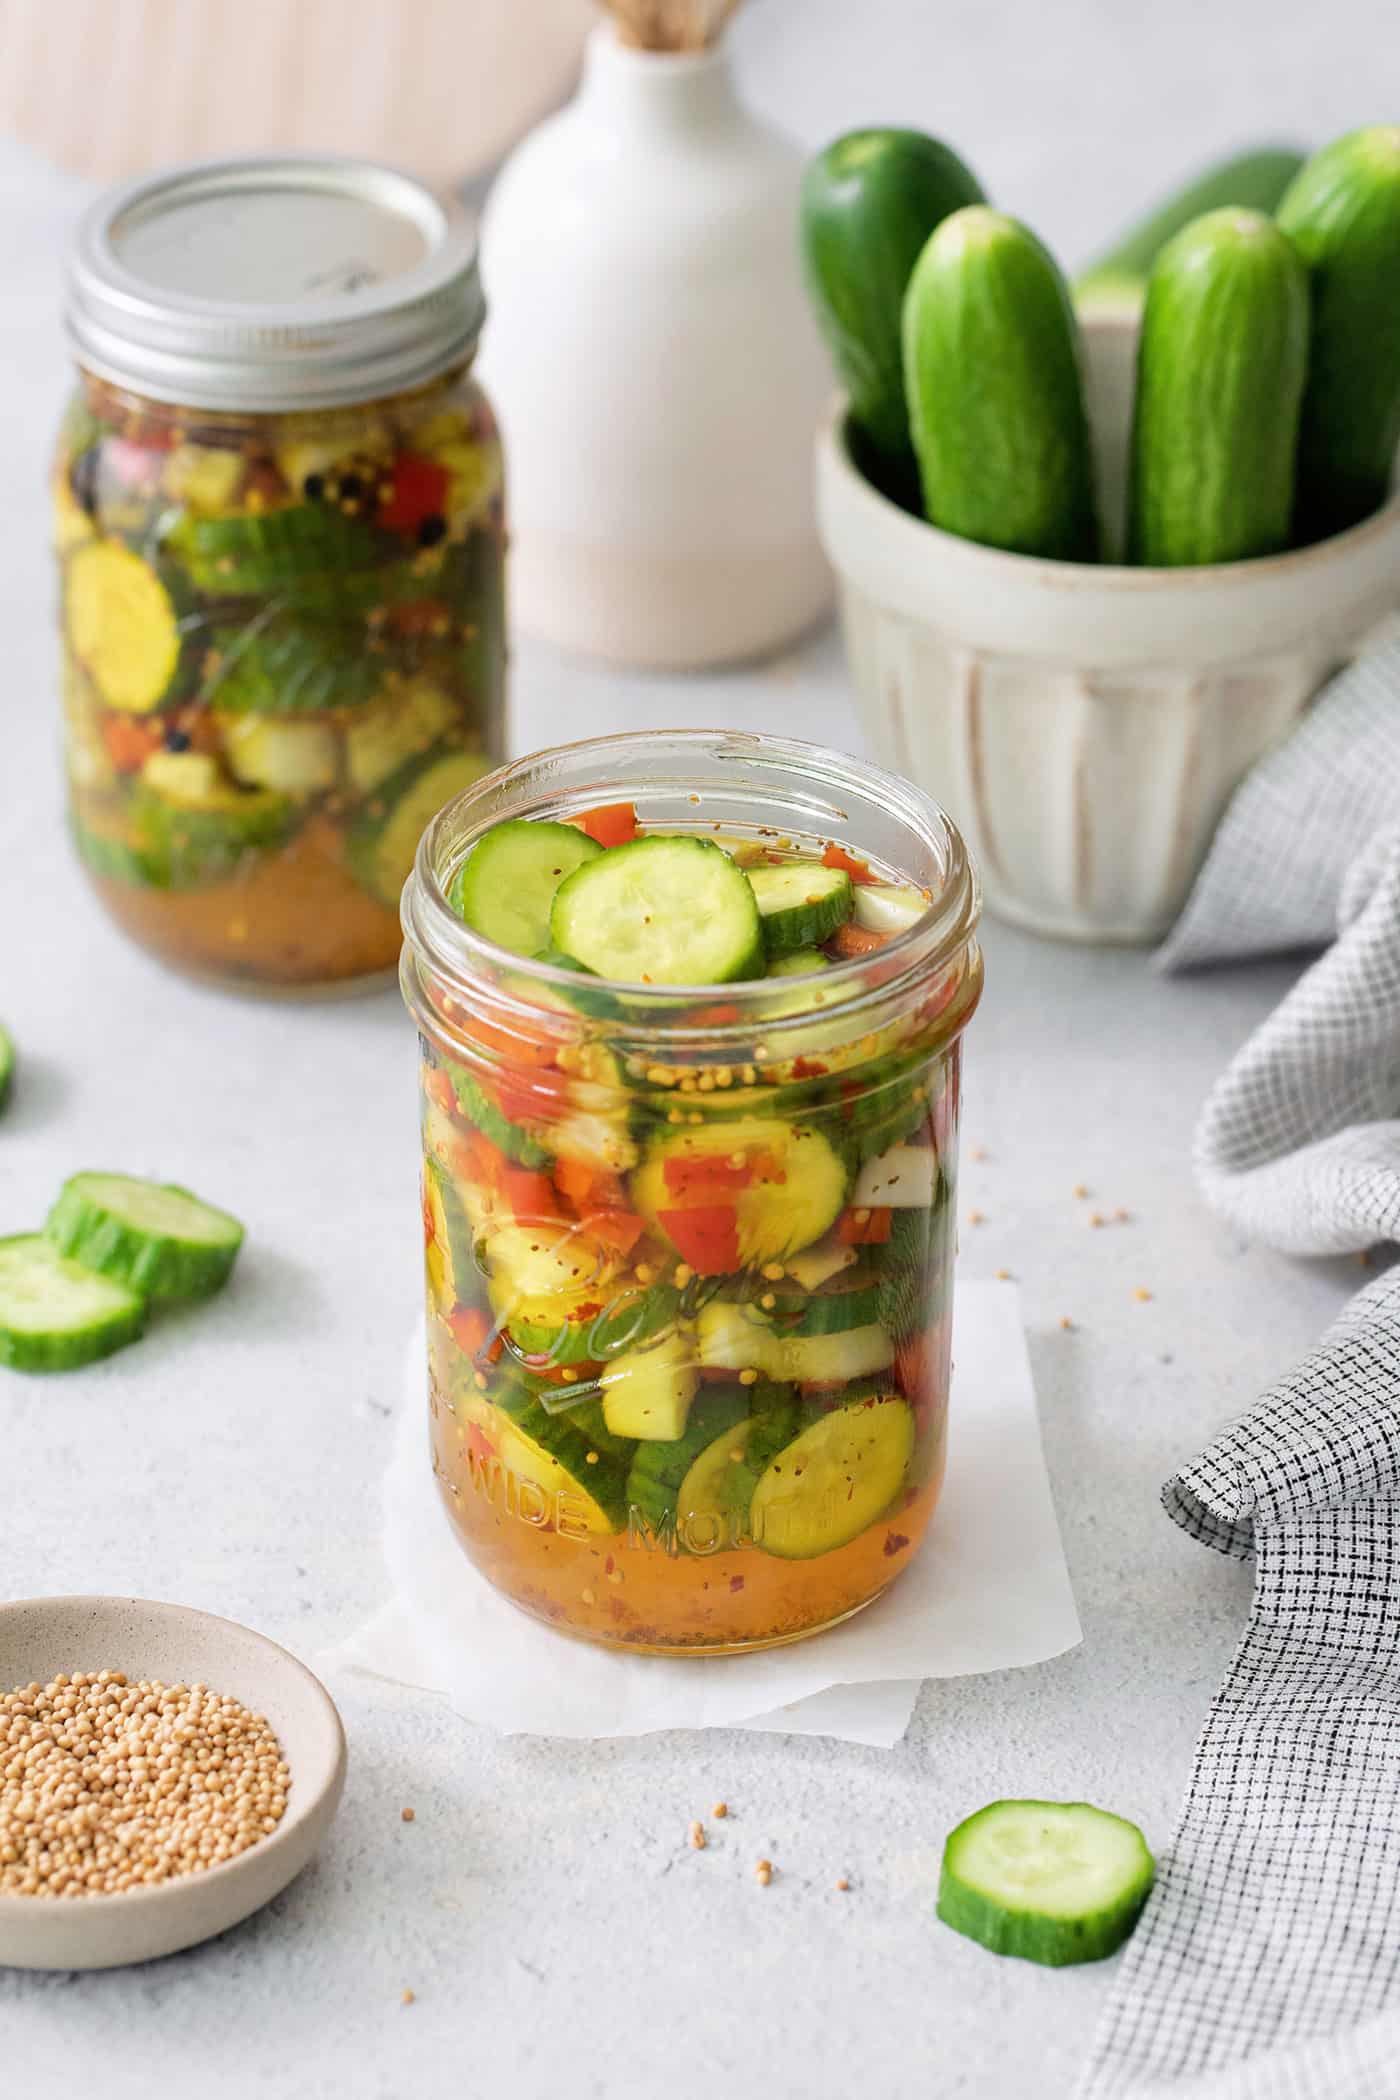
1267,1964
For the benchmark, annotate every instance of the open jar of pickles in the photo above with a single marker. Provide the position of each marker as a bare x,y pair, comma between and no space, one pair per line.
279,522
690,1009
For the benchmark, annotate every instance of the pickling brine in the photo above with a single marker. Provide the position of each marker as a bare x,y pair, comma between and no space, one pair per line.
690,1076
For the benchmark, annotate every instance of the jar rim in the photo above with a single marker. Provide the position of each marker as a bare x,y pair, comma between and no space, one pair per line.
469,964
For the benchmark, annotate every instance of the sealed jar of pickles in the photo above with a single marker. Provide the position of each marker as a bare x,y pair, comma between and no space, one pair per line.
279,522
690,1010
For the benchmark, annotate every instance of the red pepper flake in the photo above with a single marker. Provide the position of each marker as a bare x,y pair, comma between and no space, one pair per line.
895,1542
809,1068
736,1583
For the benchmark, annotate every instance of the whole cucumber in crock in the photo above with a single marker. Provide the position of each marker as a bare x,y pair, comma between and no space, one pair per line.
1221,364
996,400
1342,214
1257,179
869,203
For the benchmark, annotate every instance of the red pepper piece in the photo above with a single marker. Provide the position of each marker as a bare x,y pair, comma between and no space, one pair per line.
418,490
705,1174
130,742
614,824
618,1230
529,1193
470,1329
858,870
870,1231
438,1088
707,1236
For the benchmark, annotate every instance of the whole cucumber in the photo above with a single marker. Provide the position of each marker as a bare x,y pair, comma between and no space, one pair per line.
1257,179
1343,216
996,399
869,203
1221,364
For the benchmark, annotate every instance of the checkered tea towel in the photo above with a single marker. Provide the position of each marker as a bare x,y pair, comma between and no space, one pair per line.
1267,1963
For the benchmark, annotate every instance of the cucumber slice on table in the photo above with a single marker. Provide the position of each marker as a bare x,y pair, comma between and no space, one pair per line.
671,910
7,1064
505,887
384,840
151,1236
836,1476
801,904
1051,1881
55,1314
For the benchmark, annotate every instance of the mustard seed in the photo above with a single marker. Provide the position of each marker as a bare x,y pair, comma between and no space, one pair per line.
107,1784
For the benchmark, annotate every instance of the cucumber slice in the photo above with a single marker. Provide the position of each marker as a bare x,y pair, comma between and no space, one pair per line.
293,758
802,962
903,1178
913,1281
449,1249
545,1261
732,1337
660,1466
7,1064
383,842
819,1264
505,887
153,1237
837,1476
414,715
801,904
716,1495
478,1108
627,1319
289,667
1050,1881
305,553
511,1435
793,1193
888,907
647,1391
55,1314
124,626
664,910
191,826
852,1300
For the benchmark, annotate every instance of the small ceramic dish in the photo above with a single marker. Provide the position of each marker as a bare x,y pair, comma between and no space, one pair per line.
45,1636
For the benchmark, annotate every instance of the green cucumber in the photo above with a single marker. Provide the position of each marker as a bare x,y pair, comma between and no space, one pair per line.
996,400
55,1314
1221,364
659,1466
481,1111
837,1476
552,1453
384,838
505,887
154,1237
449,1261
851,1299
1343,216
869,203
905,1177
410,716
794,1191
629,1317
294,557
131,625
7,1064
1256,179
661,910
648,1389
283,666
739,1337
1054,1882
802,962
192,827
801,904
292,758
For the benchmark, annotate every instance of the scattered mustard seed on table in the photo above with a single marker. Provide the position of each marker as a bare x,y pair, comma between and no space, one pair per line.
405,1815
107,1785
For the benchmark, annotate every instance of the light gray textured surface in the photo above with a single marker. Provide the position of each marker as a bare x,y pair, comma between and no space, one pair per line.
544,1906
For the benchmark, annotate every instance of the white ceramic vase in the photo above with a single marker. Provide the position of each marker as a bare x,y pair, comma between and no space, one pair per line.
1085,725
656,370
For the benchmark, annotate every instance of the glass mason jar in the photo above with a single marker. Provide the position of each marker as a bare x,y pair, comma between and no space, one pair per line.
689,1251
279,524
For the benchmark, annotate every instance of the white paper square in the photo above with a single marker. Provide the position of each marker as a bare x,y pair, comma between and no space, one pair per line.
988,1591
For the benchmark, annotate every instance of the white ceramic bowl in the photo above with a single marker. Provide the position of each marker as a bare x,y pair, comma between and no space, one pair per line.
44,1636
1084,725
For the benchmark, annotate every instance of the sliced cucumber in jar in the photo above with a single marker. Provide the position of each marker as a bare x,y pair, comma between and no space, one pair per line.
662,910
384,839
126,622
740,1194
837,1476
802,962
308,551
1054,1882
193,827
739,1337
661,1465
153,1237
481,1111
801,904
285,666
55,1314
514,1446
505,888
647,1391
294,758
905,1177
412,715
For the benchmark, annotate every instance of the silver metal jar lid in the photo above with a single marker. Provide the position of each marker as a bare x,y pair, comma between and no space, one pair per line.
273,282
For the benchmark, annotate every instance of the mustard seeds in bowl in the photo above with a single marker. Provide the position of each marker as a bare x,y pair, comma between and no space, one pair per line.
109,1784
